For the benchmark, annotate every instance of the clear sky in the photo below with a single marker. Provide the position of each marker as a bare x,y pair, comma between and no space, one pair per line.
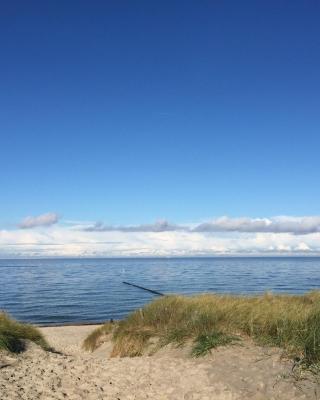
133,112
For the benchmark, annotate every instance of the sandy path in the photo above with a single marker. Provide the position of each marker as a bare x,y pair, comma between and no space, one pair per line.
236,372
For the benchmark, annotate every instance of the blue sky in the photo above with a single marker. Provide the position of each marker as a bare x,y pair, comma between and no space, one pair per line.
130,112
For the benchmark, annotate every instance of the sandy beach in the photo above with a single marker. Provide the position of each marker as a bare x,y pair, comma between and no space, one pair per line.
243,372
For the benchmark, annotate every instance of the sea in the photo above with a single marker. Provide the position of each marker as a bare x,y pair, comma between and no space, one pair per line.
67,291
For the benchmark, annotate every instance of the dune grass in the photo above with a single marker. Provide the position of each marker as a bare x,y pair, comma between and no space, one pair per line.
93,341
204,343
290,322
13,334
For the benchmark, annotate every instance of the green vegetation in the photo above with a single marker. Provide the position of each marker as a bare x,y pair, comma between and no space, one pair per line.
13,334
290,322
204,343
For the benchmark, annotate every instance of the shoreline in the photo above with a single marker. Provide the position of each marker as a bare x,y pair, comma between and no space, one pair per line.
75,324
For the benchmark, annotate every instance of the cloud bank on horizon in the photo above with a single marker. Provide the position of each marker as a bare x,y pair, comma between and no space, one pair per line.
46,235
281,224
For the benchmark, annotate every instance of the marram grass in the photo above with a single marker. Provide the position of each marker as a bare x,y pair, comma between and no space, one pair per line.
204,343
92,342
288,321
13,334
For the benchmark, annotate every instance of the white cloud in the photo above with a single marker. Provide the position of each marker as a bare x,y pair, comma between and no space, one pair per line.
39,220
65,242
222,236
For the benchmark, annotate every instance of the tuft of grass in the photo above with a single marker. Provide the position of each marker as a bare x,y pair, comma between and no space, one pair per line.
130,343
204,343
93,341
311,337
288,321
13,334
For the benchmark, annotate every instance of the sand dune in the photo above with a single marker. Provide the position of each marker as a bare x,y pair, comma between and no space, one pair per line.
236,372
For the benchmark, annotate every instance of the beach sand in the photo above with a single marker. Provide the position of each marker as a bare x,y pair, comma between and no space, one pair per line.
243,372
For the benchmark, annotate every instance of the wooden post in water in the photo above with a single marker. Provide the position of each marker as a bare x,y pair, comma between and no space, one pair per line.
143,288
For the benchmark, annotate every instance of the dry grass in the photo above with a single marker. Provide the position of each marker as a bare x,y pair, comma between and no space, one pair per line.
95,338
290,322
13,334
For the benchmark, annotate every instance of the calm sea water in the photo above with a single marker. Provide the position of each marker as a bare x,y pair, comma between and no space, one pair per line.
58,291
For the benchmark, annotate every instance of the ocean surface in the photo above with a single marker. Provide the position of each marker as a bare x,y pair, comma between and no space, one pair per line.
59,291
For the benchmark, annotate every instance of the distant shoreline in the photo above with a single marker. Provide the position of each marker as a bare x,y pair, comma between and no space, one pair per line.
236,256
